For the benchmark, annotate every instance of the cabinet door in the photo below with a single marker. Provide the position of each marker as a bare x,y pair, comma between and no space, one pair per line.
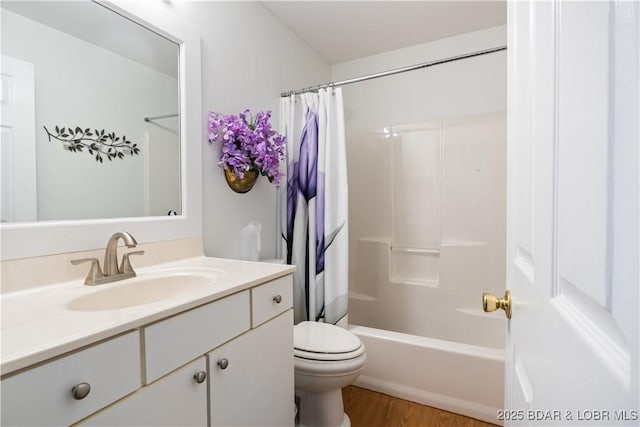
256,386
175,400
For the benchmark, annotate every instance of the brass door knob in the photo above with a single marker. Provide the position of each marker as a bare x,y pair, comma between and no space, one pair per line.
491,303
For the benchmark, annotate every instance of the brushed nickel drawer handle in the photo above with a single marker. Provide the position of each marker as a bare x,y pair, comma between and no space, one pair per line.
200,376
80,391
223,363
278,299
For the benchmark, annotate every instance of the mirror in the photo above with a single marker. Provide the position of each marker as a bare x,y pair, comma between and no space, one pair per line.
39,238
90,115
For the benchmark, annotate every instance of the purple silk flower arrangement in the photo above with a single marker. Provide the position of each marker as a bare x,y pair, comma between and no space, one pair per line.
248,143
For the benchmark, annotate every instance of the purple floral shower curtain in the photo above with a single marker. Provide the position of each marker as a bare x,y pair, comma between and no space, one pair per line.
315,234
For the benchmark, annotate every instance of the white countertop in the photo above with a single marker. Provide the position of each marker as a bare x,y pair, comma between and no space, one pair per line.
38,325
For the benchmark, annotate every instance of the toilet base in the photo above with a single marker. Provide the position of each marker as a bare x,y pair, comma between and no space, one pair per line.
322,409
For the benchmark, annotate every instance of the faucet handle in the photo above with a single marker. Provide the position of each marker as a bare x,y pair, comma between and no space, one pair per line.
95,272
125,266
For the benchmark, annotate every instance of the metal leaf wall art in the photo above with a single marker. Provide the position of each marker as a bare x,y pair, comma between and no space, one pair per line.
97,143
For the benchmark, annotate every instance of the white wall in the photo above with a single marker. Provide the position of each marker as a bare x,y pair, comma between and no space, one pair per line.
462,88
80,84
248,58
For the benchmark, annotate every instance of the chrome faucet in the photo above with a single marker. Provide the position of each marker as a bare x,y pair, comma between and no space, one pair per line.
111,272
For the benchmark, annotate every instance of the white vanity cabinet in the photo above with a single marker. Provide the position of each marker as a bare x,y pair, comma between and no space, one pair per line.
226,362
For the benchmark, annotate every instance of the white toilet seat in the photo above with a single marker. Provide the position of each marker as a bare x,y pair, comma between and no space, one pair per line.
325,342
310,355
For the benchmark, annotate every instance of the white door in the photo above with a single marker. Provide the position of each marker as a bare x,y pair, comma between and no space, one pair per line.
573,136
17,141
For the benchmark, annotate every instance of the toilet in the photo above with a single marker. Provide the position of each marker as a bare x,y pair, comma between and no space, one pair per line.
326,359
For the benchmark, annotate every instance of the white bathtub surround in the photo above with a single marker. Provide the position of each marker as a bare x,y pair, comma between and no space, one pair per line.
315,228
434,240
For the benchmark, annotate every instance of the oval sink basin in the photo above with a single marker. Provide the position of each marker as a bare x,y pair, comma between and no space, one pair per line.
145,289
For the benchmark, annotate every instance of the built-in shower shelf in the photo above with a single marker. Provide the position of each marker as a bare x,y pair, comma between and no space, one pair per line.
399,280
414,266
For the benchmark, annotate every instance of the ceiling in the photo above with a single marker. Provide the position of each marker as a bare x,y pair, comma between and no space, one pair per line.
344,30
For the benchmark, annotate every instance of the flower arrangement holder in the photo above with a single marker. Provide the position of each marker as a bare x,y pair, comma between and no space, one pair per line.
241,185
250,147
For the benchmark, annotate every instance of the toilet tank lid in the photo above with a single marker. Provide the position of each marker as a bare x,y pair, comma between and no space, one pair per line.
320,337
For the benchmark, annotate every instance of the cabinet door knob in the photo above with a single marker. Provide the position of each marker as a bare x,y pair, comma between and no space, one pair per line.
278,299
223,363
200,376
80,391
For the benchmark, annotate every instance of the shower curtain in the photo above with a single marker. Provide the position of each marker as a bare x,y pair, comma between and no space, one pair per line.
314,230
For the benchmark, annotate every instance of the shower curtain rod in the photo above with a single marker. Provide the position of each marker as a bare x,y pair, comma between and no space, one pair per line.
392,72
164,116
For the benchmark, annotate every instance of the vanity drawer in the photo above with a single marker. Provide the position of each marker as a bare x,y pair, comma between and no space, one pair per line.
193,334
264,299
43,396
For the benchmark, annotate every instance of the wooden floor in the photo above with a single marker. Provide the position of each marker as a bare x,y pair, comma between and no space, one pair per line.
367,408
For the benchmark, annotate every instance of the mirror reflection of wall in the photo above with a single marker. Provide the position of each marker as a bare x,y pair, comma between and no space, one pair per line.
80,65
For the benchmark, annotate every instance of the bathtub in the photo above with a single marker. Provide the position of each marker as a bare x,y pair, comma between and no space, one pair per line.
426,335
461,378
